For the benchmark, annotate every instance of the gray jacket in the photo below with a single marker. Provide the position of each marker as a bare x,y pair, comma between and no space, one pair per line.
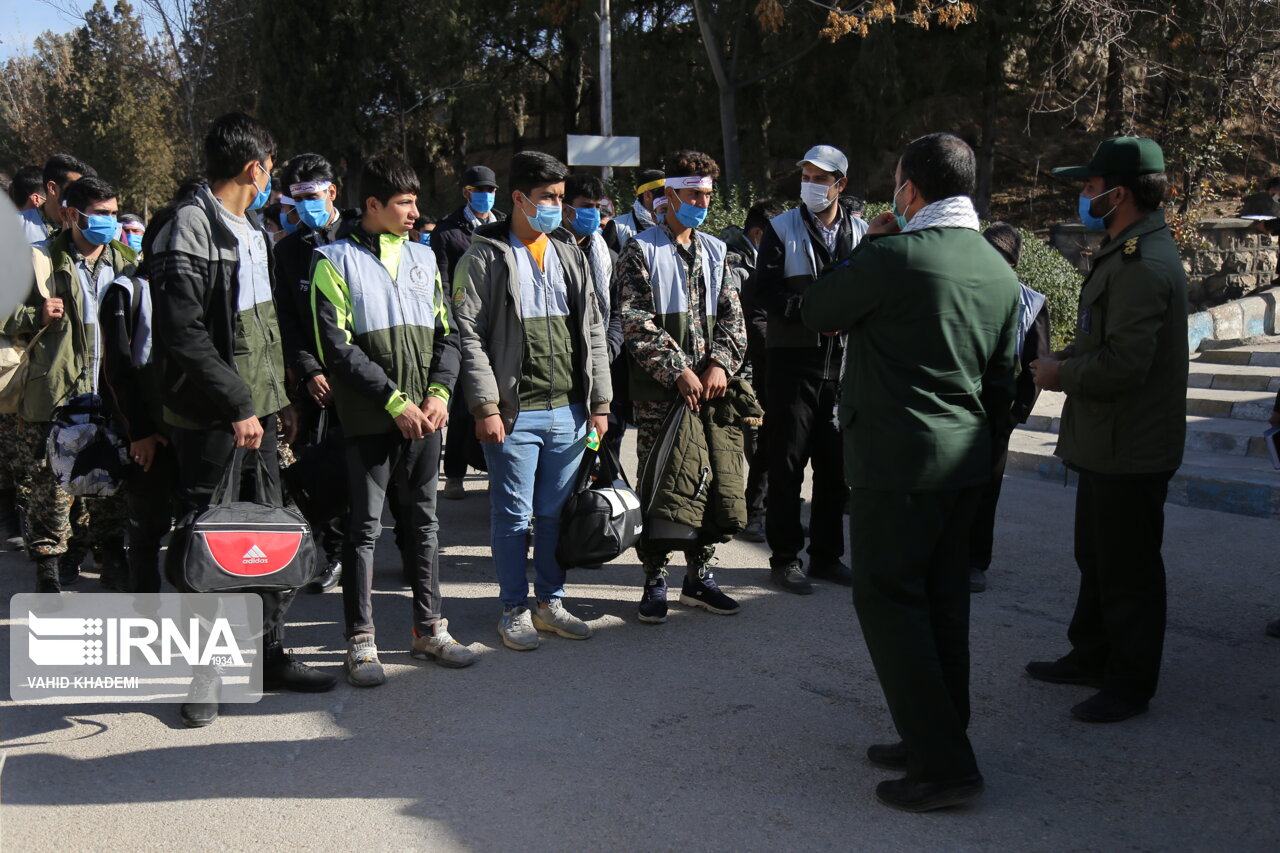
486,305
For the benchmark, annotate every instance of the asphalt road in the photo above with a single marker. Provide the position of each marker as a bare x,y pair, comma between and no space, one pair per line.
706,733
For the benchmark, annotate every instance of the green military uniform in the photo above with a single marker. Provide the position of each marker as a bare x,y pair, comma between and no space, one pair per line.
679,308
931,316
1123,429
1126,377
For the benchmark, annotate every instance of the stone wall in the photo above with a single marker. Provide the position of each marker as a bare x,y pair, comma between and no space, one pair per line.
1237,259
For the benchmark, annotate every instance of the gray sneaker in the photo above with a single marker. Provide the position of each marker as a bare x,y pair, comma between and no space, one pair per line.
363,667
555,618
444,648
516,629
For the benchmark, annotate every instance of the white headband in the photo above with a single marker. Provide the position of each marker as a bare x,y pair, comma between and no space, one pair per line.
692,182
308,187
288,202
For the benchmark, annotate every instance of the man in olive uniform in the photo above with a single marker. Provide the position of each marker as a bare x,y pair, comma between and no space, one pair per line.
931,310
1123,429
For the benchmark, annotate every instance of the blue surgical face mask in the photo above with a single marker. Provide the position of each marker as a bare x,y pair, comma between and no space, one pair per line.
99,229
425,238
586,221
483,202
288,226
314,212
133,241
264,194
1093,223
691,216
546,219
898,217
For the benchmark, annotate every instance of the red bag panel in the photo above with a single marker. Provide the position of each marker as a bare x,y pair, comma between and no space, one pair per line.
252,553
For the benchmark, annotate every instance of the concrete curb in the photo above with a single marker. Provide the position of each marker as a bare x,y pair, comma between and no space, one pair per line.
1251,493
1250,317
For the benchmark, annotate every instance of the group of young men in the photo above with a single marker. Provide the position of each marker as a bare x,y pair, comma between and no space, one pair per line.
358,337
212,334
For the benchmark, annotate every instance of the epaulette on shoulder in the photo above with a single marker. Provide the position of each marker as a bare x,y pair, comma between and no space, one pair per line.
1130,251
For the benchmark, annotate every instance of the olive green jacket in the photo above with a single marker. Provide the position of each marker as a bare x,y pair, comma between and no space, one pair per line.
929,365
1126,374
56,362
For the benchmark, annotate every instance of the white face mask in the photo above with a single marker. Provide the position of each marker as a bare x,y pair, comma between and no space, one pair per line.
815,197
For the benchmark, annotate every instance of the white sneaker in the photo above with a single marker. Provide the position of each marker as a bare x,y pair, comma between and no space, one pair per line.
444,648
555,618
516,629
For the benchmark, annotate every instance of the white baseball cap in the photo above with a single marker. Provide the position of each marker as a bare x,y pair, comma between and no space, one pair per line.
827,158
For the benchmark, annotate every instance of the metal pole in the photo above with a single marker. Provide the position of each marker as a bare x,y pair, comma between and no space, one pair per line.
606,78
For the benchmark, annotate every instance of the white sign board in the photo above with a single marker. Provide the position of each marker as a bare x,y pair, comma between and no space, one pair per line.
604,150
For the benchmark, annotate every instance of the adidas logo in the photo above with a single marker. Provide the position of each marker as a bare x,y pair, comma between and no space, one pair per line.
254,555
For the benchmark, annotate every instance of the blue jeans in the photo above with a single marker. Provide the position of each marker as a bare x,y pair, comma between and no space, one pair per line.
531,475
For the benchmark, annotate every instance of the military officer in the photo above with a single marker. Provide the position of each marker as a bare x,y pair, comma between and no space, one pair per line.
1123,429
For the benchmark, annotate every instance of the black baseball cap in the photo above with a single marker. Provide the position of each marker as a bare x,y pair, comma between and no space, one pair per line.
479,176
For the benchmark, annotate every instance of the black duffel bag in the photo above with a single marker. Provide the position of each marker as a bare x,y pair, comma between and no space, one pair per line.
602,517
242,546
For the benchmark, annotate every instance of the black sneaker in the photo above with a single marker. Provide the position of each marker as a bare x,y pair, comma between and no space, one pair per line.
328,579
703,592
791,578
832,571
1273,628
201,707
282,672
653,603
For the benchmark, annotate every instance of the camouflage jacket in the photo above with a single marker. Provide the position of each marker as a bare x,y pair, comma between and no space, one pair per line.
657,357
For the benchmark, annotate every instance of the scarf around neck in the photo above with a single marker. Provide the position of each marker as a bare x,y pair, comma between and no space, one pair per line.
954,212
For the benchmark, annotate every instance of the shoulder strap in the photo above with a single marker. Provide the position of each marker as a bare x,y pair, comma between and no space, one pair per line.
42,266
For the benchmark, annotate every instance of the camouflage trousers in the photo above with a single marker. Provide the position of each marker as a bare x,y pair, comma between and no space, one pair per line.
15,462
53,523
648,418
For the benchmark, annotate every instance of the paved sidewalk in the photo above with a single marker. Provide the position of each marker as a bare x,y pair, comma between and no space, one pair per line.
717,733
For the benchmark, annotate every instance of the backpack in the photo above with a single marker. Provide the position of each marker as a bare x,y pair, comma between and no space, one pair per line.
14,354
